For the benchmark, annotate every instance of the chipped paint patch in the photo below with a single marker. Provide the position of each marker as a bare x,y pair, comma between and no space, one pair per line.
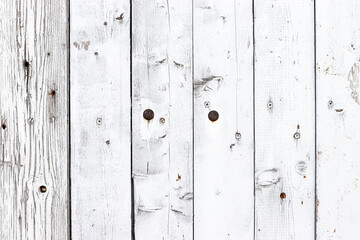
353,78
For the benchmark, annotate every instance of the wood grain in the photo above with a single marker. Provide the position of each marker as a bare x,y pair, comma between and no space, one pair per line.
162,145
223,82
100,119
284,120
338,69
34,120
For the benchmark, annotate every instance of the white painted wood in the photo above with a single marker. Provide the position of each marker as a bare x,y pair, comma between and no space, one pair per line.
100,119
338,115
284,120
162,146
223,164
34,120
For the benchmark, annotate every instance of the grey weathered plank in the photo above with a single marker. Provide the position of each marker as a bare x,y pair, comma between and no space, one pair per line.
34,118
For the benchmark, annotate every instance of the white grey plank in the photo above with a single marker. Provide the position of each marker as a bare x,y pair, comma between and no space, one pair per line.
338,114
34,120
100,119
224,161
284,120
162,146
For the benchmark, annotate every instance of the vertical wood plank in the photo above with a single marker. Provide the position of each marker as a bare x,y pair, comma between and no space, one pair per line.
338,125
223,75
162,145
284,119
100,119
34,120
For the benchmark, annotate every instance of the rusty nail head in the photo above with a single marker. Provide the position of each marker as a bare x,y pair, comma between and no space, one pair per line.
297,135
282,195
148,114
42,189
213,116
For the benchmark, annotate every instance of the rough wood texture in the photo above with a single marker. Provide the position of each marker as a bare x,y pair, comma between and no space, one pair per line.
34,120
223,75
162,146
284,120
338,119
100,119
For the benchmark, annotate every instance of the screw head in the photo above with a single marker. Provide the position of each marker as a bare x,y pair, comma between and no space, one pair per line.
42,189
148,114
162,120
296,135
213,116
330,103
237,135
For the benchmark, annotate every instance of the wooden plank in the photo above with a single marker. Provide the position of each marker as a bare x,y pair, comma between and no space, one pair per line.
100,119
223,75
34,120
338,114
162,145
284,119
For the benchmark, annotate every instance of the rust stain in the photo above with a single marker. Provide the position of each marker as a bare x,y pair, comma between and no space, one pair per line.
82,45
178,178
121,17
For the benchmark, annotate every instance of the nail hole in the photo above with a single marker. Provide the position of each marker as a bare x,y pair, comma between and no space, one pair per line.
96,53
108,142
53,92
48,54
207,104
3,126
99,121
270,105
297,135
26,64
213,116
148,114
42,189
282,195
105,23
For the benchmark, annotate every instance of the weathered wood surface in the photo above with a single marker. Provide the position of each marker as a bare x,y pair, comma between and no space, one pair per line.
34,120
223,82
236,132
284,120
100,119
162,145
338,119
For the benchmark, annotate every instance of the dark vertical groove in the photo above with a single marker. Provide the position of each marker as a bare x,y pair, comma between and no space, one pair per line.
193,118
315,124
69,119
254,162
131,130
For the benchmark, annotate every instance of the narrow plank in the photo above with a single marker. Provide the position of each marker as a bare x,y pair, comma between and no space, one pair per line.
100,119
284,120
162,145
338,114
223,75
34,120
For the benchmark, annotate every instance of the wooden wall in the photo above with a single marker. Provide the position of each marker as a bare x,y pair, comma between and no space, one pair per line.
179,120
